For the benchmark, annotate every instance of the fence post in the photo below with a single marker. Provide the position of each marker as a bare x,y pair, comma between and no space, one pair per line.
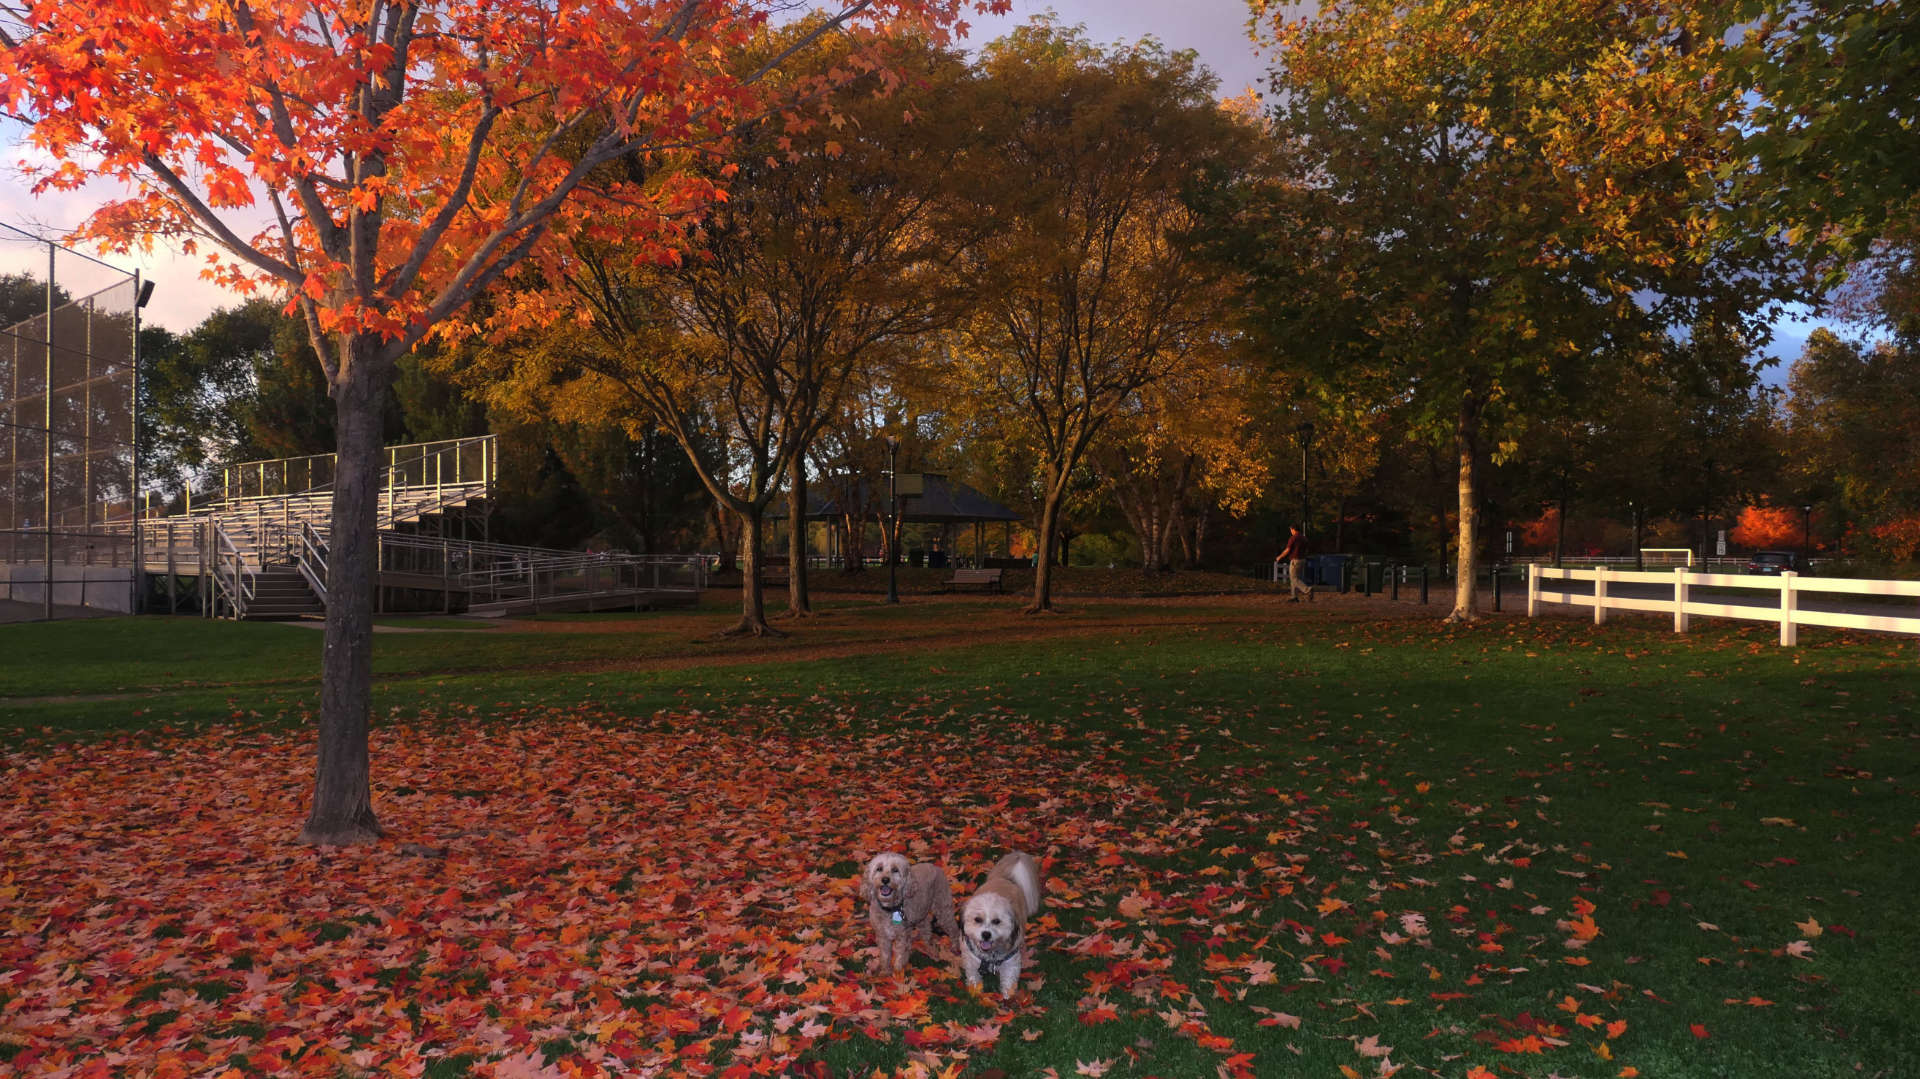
1423,584
1789,606
1533,589
1599,595
1681,589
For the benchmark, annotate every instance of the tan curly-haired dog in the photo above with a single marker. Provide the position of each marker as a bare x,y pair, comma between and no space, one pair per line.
905,902
996,920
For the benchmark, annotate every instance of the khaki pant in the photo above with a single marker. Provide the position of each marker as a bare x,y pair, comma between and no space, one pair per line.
1297,578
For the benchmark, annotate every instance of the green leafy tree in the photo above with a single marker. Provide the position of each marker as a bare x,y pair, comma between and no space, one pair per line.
1832,126
1487,200
1853,419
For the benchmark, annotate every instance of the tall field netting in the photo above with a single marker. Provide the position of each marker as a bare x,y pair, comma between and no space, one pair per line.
69,355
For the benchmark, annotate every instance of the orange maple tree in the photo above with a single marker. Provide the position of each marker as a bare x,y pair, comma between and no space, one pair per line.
1769,526
382,163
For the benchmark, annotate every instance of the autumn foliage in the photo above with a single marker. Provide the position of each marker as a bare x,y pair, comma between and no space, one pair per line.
1768,527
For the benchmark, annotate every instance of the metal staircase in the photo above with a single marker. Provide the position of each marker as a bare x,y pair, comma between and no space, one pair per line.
251,525
259,544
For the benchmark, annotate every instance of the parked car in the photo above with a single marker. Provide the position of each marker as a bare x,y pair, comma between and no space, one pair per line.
1774,563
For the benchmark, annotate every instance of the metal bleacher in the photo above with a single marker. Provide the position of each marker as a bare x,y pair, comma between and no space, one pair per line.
255,546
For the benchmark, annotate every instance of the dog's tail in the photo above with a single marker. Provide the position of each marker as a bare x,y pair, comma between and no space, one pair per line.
1025,872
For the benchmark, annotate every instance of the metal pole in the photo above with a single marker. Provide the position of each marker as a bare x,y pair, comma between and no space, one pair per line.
1423,584
46,446
1306,437
893,518
1495,571
139,551
1393,574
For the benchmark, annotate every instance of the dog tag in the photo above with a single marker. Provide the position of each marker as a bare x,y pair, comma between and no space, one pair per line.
898,917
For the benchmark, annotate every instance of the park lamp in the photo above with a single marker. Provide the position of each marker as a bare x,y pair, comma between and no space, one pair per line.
1305,431
893,519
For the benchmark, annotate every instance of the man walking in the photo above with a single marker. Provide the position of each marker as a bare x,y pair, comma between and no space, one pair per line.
1295,556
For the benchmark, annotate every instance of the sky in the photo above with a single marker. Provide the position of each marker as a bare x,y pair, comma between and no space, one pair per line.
1215,29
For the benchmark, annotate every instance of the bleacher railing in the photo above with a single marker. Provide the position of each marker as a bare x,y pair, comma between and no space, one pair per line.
454,462
496,573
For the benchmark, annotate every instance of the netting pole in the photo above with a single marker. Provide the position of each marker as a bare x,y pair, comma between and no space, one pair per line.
139,561
46,445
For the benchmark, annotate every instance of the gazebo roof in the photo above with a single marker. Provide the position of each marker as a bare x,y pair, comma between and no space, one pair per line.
945,501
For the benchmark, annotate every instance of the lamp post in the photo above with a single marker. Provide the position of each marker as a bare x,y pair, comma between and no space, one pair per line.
893,520
1806,528
1306,438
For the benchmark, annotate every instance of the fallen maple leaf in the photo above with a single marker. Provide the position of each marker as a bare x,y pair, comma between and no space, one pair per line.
1811,927
1370,1046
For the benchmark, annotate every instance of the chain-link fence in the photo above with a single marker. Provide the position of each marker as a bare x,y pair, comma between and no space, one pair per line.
69,330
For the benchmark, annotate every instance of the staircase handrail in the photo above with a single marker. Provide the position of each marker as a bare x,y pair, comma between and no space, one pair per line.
312,561
237,584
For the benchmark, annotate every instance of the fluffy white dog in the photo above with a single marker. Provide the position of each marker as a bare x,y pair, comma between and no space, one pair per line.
904,903
994,921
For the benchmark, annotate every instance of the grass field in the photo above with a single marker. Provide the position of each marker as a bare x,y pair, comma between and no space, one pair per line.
1323,839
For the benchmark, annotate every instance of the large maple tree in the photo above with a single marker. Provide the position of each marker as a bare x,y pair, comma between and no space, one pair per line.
382,163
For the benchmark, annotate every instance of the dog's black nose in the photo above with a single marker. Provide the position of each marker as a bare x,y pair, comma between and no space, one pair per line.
986,934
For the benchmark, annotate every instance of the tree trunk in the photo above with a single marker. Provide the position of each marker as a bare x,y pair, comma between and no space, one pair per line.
799,604
1043,553
1466,443
853,546
723,536
1560,527
342,789
753,609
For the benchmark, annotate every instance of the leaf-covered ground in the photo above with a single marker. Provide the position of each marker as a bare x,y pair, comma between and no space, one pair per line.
1278,842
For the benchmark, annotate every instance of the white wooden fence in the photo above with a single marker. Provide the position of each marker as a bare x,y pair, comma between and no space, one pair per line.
1786,609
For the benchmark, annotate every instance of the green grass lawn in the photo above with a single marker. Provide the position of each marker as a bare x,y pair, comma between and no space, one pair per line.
1280,838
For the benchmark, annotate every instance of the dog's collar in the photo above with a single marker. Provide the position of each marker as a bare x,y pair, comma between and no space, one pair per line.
989,964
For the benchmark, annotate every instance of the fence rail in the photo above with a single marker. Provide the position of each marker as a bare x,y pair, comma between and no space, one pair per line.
1785,593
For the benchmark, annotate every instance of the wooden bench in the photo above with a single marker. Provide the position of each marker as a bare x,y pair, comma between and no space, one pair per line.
987,580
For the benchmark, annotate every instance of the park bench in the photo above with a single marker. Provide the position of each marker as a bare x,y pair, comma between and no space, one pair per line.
987,580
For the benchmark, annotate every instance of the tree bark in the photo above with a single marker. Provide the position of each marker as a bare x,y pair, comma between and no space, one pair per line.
342,810
722,536
853,548
1466,445
1043,552
753,609
799,603
1560,526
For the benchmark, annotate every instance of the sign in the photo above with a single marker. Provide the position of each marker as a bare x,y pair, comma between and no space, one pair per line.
1509,541
1720,545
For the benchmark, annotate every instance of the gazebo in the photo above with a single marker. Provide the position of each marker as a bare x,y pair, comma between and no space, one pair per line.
940,500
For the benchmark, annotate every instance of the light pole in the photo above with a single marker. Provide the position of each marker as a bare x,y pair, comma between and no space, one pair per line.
1306,438
1806,528
893,520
